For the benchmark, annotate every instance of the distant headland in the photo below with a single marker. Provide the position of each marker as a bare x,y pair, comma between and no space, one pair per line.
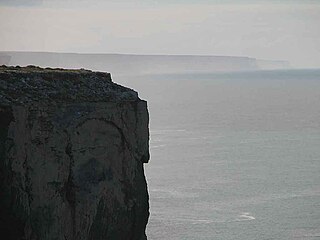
130,64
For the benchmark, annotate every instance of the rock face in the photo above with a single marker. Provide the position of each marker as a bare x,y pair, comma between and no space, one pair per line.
72,149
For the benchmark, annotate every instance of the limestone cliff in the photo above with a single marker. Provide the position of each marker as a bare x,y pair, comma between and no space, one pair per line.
72,149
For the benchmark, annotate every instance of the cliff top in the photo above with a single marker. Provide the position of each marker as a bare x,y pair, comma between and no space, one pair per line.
21,85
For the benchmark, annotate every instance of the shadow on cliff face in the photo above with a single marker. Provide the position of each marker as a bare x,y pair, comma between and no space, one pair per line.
11,220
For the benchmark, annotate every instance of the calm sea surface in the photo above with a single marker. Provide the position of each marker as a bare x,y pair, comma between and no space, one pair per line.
233,156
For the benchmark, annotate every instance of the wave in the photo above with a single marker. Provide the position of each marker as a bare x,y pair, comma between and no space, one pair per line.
166,131
168,193
245,217
158,146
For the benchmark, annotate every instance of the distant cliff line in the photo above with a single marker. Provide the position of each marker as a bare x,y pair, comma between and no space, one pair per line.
130,64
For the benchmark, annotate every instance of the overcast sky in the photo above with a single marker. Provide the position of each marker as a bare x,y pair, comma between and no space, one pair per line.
280,30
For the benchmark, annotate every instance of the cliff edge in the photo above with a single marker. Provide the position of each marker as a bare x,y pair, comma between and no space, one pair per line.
72,149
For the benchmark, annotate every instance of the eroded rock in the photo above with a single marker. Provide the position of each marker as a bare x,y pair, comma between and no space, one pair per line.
72,149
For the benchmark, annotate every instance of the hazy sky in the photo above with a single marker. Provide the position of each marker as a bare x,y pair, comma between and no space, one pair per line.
284,30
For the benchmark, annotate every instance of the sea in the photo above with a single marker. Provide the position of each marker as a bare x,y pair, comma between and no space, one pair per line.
234,156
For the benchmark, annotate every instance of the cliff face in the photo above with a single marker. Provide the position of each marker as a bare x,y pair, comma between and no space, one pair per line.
127,64
72,149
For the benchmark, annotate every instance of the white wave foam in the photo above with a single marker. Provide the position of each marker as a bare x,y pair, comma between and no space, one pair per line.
245,217
158,146
163,131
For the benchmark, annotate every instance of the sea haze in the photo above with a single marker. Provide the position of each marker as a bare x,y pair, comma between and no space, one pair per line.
233,156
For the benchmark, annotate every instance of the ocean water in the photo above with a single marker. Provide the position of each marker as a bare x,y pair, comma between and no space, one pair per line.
233,156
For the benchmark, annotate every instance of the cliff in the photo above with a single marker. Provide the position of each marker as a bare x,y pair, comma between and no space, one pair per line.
4,59
72,149
129,64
